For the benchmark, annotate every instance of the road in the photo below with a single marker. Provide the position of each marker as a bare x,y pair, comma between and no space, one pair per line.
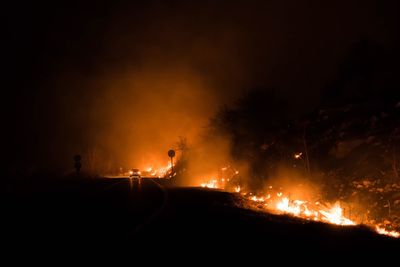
103,211
150,213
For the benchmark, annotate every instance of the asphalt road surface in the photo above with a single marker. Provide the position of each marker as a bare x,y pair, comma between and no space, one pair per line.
103,211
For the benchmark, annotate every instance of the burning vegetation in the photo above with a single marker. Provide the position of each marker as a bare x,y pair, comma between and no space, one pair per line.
347,145
312,207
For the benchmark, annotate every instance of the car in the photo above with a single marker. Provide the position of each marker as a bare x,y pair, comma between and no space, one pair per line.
134,173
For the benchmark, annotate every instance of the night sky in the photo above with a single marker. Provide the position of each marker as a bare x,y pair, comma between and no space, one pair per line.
129,77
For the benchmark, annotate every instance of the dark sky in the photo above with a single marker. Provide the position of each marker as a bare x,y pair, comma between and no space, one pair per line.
101,74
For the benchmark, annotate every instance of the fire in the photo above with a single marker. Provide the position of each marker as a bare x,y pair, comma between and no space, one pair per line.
211,184
298,208
158,172
383,231
280,202
284,206
298,155
335,216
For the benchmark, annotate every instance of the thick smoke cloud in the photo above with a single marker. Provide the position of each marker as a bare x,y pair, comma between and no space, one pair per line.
127,79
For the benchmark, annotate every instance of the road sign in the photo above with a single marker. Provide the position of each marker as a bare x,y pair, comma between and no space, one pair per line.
171,153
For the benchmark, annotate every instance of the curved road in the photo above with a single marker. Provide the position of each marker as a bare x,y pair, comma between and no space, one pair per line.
82,212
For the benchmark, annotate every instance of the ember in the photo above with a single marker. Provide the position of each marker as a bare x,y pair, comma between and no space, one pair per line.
298,155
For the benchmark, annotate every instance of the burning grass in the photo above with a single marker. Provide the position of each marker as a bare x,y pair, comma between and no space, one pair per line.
303,202
278,201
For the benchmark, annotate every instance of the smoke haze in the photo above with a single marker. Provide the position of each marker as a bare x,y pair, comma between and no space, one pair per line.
127,79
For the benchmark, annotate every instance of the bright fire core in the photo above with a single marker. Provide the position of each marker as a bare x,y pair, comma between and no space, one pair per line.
276,201
281,203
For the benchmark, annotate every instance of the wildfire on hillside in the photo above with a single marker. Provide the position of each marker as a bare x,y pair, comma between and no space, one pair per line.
275,200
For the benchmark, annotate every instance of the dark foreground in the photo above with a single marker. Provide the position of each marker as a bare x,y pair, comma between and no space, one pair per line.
87,213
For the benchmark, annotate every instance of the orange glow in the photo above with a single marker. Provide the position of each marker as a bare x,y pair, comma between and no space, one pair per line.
383,231
335,216
156,172
213,183
281,203
298,155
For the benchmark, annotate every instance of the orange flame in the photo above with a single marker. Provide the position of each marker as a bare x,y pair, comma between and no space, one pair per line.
299,208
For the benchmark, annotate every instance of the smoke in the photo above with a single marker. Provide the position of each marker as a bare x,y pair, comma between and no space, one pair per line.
143,113
206,160
122,82
299,185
